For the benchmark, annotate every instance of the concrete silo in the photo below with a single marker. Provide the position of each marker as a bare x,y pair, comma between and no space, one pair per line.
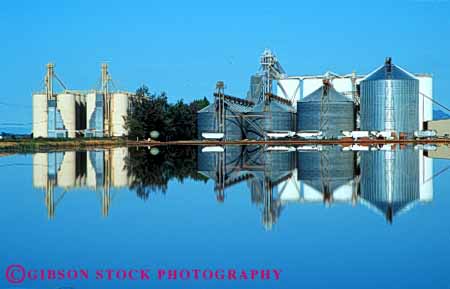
40,115
119,110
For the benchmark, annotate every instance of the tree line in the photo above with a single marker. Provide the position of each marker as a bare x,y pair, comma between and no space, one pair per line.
152,112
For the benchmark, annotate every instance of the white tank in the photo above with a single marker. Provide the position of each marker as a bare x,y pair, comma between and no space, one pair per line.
40,116
310,85
67,171
425,104
119,110
289,89
66,105
40,170
343,85
119,172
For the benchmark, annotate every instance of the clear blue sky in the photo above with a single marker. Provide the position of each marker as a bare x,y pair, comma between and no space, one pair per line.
184,47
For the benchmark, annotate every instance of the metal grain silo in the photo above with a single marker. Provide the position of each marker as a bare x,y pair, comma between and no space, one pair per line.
326,110
40,116
389,100
390,180
326,175
119,112
269,116
207,122
65,102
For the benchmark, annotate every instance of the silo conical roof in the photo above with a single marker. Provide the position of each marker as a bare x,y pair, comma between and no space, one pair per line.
333,95
389,71
273,106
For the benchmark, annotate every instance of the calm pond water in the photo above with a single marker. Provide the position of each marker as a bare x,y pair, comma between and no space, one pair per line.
327,217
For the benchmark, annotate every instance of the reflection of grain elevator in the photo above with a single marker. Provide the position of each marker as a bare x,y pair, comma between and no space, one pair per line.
332,175
100,170
72,113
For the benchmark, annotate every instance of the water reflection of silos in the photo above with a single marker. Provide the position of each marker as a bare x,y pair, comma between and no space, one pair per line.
119,172
326,175
270,170
40,170
222,167
67,172
208,161
274,164
390,180
95,169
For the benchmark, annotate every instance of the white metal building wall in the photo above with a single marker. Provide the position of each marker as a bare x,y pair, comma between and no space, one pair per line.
118,112
40,116
65,102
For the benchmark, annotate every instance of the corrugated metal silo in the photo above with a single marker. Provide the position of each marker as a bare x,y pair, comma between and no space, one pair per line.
389,100
65,102
390,180
119,111
207,122
326,110
40,117
269,117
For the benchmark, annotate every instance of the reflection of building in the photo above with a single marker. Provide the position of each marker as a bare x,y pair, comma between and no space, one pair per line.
98,170
390,180
264,172
327,175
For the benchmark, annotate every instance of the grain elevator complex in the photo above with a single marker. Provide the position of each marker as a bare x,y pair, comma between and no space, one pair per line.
73,113
389,103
